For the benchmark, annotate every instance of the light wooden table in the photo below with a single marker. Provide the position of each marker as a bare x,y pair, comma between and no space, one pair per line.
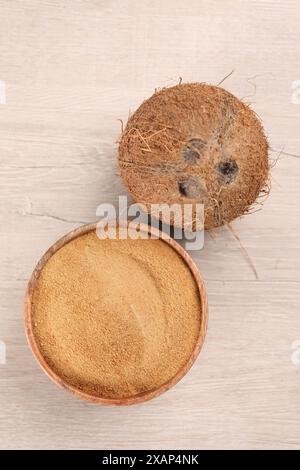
68,72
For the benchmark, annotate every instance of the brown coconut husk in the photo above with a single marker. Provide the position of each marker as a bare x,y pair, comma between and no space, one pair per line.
195,143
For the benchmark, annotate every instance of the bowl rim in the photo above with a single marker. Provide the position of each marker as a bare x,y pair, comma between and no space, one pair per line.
141,397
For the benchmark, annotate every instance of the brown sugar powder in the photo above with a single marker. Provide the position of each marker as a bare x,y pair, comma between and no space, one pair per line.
115,318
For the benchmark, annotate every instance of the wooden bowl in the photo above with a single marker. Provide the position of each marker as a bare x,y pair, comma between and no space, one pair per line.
79,393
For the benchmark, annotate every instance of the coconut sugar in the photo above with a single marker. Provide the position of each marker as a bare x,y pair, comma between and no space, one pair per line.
115,318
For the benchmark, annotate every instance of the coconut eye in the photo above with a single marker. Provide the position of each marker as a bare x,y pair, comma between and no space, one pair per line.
228,170
189,187
192,151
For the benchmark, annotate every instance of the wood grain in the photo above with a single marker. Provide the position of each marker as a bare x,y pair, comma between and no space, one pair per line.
71,70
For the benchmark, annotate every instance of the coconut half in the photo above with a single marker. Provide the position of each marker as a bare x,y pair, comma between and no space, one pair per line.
197,144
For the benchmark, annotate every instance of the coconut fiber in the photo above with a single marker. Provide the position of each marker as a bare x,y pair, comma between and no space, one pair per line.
195,143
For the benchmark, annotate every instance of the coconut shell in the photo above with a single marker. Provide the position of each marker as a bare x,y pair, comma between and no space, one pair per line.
195,143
